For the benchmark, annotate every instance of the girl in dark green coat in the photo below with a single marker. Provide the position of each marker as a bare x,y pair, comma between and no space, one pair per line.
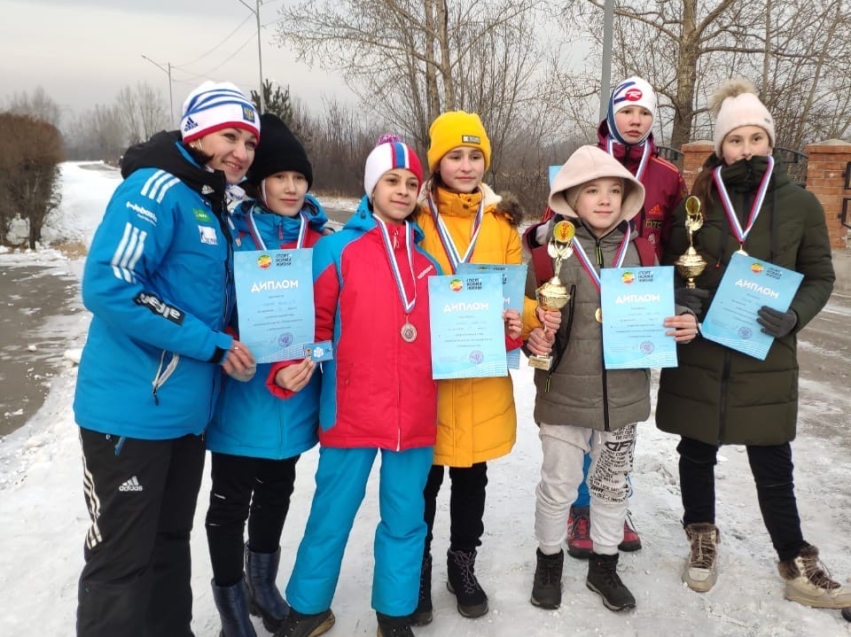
721,396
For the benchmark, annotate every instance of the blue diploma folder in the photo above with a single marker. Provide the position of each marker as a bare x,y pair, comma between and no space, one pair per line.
746,286
635,303
274,300
467,331
513,291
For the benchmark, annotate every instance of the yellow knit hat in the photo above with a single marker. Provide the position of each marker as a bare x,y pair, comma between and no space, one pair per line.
453,129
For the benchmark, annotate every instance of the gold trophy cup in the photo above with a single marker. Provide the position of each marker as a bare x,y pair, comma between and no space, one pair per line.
690,264
553,295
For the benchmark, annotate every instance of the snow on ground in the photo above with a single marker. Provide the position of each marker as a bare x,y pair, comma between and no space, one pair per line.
43,521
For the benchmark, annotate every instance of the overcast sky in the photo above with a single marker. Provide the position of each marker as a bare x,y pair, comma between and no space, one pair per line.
84,51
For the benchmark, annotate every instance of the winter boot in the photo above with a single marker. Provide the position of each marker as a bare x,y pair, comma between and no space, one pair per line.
579,533
232,604
546,591
261,569
604,580
631,541
394,626
302,625
701,570
461,573
846,613
423,615
808,583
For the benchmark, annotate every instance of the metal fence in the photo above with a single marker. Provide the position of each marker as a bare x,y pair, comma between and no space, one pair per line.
796,164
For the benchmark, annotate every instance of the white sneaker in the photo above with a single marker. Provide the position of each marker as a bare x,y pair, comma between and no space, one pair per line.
701,569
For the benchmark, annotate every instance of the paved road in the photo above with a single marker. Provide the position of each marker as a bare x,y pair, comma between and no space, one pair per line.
824,354
31,347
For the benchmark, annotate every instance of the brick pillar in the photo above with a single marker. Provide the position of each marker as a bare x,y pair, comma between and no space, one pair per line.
694,154
826,180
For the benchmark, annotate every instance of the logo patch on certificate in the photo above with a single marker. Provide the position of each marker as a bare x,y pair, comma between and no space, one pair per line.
319,352
208,235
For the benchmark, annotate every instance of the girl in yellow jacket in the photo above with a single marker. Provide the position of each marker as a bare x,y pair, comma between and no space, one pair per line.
477,422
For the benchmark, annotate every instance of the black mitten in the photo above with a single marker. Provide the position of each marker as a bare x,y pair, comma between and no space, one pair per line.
692,298
776,323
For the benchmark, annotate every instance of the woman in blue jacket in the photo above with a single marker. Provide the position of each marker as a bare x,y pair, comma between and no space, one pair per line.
158,282
256,438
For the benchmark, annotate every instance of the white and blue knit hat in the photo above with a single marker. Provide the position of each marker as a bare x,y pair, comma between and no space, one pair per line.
632,91
214,106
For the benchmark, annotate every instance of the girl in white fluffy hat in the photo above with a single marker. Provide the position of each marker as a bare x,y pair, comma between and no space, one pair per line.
720,396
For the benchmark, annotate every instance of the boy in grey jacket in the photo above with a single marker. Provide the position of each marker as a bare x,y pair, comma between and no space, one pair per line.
580,406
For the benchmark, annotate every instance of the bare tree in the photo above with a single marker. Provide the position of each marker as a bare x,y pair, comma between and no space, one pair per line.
108,132
128,112
38,105
142,110
409,60
797,51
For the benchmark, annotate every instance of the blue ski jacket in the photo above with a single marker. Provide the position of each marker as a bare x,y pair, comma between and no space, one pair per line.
158,281
249,420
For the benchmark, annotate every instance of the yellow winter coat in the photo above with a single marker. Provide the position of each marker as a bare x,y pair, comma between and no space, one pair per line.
477,420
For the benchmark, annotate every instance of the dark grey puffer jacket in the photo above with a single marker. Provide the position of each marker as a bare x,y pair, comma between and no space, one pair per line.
579,391
718,395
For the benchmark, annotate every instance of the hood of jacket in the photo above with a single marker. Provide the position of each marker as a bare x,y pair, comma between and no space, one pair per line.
624,150
165,151
589,163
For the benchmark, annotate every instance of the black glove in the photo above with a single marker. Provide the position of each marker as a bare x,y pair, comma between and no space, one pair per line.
776,323
692,298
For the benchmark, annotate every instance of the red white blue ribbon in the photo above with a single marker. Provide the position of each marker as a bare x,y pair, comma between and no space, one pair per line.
455,258
586,264
642,164
742,234
258,240
408,305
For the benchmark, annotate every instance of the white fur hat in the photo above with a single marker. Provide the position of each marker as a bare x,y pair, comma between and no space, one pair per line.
735,104
214,106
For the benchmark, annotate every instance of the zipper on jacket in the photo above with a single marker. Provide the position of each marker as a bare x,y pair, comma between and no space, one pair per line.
722,399
604,376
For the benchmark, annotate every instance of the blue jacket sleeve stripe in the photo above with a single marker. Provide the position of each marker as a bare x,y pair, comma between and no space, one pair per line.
153,180
128,252
164,189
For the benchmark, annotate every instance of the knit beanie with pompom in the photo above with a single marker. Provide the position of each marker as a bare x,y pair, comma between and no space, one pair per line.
735,104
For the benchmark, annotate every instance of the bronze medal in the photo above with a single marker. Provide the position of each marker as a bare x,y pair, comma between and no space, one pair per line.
409,333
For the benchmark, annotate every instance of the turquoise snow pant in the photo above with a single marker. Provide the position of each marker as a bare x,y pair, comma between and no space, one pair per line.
341,480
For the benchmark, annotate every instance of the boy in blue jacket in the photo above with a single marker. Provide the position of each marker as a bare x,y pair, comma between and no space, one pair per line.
255,438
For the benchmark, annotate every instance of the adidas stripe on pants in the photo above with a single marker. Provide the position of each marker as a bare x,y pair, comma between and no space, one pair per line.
141,497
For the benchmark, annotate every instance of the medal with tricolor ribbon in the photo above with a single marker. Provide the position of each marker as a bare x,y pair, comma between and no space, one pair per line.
642,164
258,240
742,234
408,331
455,258
586,264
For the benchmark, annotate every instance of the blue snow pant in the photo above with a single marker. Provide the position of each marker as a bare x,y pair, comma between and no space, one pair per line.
341,480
